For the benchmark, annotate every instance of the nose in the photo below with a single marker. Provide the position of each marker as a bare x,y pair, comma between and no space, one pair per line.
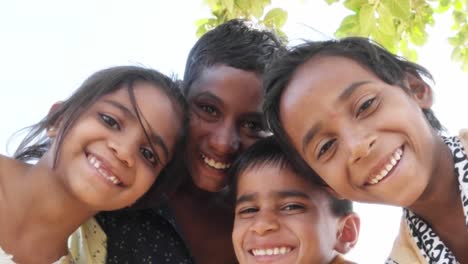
225,139
123,148
361,147
265,222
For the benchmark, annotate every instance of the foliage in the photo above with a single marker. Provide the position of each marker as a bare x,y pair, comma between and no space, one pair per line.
224,10
399,25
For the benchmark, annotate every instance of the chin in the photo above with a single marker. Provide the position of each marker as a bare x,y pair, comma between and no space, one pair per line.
209,182
210,187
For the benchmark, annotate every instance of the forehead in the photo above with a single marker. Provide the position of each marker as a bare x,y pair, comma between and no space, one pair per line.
324,75
232,86
157,110
314,88
270,177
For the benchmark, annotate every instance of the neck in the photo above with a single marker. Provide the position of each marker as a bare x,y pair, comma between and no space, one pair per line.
37,212
441,200
189,192
189,188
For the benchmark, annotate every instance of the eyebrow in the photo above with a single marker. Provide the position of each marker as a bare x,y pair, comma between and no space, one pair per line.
210,96
253,115
248,115
344,95
246,198
280,194
348,91
292,193
154,137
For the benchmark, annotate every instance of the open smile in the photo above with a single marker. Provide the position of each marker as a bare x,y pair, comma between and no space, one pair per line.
215,164
271,253
102,170
387,168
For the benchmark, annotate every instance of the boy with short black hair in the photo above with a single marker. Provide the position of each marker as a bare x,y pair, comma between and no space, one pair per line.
281,216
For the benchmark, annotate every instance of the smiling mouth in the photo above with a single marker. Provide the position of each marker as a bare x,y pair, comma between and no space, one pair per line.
96,163
393,161
215,164
277,251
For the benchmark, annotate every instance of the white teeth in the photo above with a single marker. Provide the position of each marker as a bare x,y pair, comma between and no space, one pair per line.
215,164
396,156
271,251
97,164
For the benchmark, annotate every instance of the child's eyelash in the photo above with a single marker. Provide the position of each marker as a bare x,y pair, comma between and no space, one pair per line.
248,210
110,121
325,147
366,105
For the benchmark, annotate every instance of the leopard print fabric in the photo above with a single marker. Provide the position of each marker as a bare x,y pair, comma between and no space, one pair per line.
429,244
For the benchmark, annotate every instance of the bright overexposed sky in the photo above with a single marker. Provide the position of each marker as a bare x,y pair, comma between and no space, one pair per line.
48,47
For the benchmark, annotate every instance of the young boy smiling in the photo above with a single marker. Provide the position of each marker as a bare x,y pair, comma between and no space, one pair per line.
281,216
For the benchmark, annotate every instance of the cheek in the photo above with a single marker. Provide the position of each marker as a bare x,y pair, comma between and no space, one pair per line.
247,142
146,180
237,235
199,128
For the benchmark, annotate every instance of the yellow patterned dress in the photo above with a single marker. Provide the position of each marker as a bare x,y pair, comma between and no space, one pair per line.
88,244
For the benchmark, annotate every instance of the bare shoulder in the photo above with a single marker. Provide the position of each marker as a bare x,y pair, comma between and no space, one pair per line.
9,165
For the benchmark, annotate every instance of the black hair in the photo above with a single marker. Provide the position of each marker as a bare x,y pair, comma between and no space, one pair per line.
267,151
390,68
236,43
103,82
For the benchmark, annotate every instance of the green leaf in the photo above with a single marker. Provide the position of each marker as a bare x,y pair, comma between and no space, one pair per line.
458,5
386,22
228,5
276,17
201,21
385,40
331,1
213,4
349,26
399,8
355,5
407,52
459,17
201,30
455,40
366,20
443,6
418,36
243,4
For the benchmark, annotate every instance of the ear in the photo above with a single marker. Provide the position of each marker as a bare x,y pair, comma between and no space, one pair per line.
52,130
419,90
347,233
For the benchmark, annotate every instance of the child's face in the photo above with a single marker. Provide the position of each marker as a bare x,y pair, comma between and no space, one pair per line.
367,139
282,218
106,160
226,118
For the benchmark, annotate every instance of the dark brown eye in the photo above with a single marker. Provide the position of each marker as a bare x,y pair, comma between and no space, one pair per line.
326,147
109,121
149,156
368,103
209,110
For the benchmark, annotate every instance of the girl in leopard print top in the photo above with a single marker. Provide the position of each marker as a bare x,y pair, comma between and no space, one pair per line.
370,135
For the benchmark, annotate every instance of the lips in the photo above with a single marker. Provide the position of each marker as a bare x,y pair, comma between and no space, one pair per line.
275,251
106,173
392,161
215,164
